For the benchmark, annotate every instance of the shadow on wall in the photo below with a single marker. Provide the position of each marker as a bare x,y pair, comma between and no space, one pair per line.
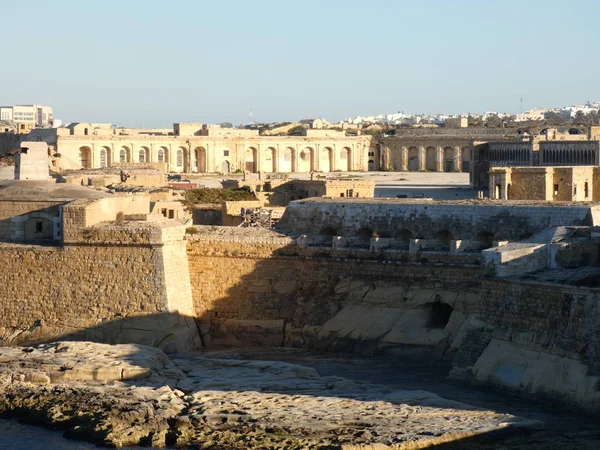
350,301
170,332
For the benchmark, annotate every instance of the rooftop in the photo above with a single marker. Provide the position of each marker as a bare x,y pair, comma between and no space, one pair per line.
31,190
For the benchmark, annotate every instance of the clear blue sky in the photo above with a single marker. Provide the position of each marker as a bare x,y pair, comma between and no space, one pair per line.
152,63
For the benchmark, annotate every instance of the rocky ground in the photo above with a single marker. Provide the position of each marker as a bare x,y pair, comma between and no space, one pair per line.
126,395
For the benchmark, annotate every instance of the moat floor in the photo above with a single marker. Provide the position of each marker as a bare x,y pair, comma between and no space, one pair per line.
564,428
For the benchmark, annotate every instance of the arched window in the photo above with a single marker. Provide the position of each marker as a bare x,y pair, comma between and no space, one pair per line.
142,155
179,158
161,155
123,155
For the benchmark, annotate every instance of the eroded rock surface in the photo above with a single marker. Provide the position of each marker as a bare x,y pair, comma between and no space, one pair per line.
126,395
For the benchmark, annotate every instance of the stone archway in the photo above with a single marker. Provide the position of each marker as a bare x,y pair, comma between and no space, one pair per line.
144,155
163,155
85,157
124,155
270,160
413,159
430,159
200,159
326,160
250,160
288,164
465,158
449,159
225,167
346,159
305,162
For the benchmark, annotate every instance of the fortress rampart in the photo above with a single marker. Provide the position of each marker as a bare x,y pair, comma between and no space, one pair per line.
426,219
142,279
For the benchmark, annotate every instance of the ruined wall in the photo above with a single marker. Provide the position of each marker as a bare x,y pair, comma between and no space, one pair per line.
540,338
129,290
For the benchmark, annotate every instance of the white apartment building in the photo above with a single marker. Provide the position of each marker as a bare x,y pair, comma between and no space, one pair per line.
28,116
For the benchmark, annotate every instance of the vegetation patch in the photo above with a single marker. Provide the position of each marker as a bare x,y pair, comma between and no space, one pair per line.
216,196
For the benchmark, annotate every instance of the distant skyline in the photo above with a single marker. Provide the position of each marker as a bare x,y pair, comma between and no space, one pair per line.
150,63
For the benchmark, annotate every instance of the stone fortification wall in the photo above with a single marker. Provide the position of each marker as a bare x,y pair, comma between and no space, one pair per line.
119,283
268,292
425,220
540,338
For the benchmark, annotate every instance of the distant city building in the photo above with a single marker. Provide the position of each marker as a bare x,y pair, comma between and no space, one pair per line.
27,117
533,114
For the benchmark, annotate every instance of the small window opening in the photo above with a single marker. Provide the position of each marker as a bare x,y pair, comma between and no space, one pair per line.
171,214
556,189
164,212
349,192
38,227
586,189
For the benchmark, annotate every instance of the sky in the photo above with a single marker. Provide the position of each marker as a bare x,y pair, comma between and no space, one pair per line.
150,63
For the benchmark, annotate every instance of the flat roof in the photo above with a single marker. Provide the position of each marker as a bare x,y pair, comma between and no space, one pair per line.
32,190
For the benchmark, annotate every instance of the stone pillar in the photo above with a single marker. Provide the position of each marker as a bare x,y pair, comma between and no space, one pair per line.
316,158
422,159
439,159
258,160
457,159
404,158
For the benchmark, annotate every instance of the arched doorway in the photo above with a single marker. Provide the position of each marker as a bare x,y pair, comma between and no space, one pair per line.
250,160
413,159
326,160
465,157
345,159
287,164
404,235
371,165
225,167
329,232
270,159
85,158
448,159
430,159
200,159
443,239
305,161
485,239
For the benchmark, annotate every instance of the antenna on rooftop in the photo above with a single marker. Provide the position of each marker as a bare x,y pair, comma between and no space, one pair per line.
521,105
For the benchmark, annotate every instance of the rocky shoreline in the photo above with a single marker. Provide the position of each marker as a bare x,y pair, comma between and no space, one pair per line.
128,395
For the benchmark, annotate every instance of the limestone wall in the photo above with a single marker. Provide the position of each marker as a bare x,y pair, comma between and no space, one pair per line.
134,287
464,220
14,216
540,338
268,293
